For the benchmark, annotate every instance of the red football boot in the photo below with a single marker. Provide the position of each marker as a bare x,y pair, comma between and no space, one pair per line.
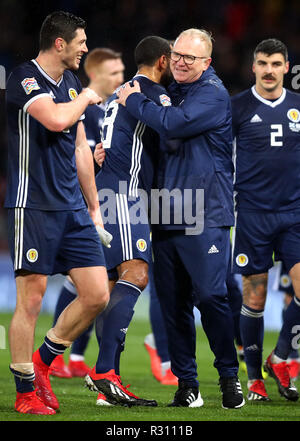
58,368
257,391
294,369
29,402
42,382
155,361
280,373
78,368
169,379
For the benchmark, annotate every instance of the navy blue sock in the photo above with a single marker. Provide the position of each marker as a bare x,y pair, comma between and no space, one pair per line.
24,382
80,344
119,351
252,332
66,296
287,339
113,322
157,322
49,350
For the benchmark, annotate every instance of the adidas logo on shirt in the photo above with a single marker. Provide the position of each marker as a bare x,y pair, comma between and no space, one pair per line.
213,249
255,119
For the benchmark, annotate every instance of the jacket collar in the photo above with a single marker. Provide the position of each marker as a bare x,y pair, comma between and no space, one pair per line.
183,87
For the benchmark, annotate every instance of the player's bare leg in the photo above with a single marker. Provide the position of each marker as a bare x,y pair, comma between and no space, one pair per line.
30,291
134,271
93,295
295,277
255,290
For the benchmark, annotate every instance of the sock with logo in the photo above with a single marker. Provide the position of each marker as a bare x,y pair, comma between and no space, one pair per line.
252,333
112,325
289,334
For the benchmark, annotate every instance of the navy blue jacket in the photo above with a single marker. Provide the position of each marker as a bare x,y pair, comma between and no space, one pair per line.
201,157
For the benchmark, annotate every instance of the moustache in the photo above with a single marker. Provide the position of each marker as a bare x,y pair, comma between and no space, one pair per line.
268,77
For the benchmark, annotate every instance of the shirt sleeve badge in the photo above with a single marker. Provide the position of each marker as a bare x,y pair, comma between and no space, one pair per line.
165,100
30,84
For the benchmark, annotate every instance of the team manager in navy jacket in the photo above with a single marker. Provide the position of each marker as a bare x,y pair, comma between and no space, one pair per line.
190,269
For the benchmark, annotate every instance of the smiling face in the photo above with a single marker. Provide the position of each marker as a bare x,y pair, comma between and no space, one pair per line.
269,72
74,50
195,46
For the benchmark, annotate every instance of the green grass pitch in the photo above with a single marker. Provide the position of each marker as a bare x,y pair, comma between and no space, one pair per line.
77,403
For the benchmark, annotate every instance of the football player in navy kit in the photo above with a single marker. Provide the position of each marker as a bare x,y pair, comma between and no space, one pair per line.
191,260
51,227
105,70
129,166
266,126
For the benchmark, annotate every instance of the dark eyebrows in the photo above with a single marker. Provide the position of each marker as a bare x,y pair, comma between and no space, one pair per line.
276,63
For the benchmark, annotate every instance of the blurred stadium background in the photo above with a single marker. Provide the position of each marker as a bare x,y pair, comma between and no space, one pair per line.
237,26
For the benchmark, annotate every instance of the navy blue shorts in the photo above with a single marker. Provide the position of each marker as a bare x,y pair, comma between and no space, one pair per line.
52,242
130,230
260,238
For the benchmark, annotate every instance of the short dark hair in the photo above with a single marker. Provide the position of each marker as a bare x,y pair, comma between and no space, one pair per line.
271,46
59,24
150,49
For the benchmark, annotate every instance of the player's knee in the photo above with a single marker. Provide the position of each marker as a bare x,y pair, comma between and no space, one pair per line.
136,273
255,302
32,306
140,279
97,301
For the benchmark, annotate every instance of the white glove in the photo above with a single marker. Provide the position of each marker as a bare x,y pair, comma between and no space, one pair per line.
105,236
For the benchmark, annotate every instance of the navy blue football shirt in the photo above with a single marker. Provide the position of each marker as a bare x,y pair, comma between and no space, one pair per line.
267,143
94,116
130,147
42,171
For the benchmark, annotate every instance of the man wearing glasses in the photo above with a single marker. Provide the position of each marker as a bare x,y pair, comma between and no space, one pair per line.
191,259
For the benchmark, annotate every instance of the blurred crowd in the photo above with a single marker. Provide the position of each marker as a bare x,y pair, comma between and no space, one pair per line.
236,25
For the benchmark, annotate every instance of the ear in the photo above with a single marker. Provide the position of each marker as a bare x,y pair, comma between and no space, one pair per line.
162,62
59,44
253,67
207,64
287,66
